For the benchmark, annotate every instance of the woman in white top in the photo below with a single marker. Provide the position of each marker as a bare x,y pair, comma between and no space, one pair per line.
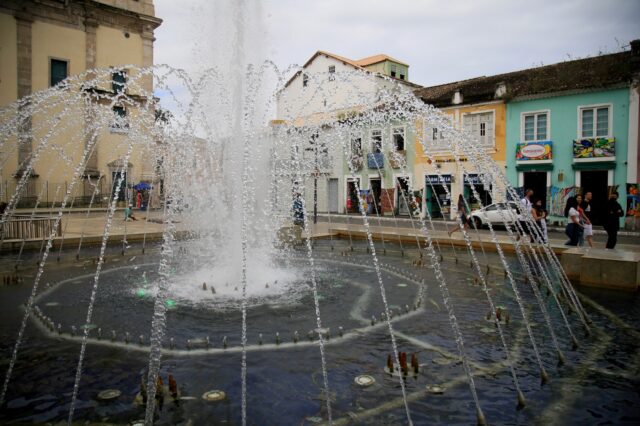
574,227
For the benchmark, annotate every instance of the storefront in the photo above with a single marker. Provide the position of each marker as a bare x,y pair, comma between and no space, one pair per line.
353,198
594,163
534,163
437,195
475,181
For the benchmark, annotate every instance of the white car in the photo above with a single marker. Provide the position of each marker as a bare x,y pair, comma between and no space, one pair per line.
492,214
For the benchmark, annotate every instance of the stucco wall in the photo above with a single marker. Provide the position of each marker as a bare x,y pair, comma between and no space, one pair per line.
563,118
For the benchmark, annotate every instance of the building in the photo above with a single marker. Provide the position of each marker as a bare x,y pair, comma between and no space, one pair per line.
330,88
478,107
571,129
44,42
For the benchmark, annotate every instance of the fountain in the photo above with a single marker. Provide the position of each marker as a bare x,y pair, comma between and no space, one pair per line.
219,301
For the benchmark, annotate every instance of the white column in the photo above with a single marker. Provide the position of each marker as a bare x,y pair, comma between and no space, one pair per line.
632,149
578,179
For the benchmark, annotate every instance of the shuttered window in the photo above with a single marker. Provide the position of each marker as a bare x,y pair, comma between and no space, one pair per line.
59,71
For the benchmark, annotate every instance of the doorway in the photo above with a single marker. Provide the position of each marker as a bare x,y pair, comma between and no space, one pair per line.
375,184
333,195
116,178
536,181
437,200
402,197
353,198
596,182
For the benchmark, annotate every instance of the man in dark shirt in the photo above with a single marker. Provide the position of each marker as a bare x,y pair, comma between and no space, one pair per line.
613,213
586,206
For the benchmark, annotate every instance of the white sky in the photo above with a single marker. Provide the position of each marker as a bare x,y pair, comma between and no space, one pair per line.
442,41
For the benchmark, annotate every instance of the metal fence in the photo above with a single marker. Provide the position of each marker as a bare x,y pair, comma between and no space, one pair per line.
50,194
25,227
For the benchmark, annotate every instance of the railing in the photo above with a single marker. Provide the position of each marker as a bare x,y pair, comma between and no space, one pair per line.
25,227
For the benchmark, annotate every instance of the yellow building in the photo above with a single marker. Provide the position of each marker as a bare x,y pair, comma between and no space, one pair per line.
41,44
475,106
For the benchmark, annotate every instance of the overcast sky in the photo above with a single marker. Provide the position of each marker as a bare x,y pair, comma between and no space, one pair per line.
442,41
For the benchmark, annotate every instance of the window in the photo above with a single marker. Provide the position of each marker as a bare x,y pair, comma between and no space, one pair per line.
594,122
59,70
332,72
376,141
120,118
535,127
401,76
434,133
397,134
305,80
393,70
480,125
356,146
119,81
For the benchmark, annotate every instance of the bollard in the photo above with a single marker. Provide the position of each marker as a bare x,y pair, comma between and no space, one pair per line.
141,340
224,342
126,337
171,343
99,334
295,336
341,331
188,343
277,338
260,339
113,335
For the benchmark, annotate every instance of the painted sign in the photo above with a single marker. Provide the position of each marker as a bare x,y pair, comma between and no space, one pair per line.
475,179
558,199
438,179
527,151
594,148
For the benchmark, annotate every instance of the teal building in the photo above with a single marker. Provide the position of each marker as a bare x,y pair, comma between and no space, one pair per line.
567,130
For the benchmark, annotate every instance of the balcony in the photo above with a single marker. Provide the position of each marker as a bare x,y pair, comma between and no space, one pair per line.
356,162
397,159
375,160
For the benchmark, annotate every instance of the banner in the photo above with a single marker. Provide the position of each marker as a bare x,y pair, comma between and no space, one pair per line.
632,219
558,199
594,148
528,151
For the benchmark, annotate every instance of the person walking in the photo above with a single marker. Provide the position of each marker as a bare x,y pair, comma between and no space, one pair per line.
463,214
525,205
540,216
613,213
584,208
579,200
574,227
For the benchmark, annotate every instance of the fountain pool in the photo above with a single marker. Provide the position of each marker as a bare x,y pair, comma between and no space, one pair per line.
285,380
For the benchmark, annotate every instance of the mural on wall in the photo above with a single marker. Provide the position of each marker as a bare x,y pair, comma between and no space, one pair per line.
632,221
527,151
594,148
558,199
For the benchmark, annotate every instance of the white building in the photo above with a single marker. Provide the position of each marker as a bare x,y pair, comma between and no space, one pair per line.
329,87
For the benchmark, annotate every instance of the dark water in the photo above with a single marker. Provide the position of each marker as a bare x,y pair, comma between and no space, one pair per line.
598,385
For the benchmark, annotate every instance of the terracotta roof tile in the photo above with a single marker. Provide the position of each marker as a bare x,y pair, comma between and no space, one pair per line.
582,74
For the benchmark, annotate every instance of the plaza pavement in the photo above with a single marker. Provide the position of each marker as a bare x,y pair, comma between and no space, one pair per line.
77,224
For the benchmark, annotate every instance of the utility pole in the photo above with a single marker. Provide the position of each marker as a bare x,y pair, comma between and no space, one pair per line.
315,183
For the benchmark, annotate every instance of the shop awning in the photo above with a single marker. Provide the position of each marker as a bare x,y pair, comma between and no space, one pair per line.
534,167
595,165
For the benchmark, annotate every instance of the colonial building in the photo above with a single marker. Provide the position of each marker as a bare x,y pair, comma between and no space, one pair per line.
330,88
572,128
476,106
42,42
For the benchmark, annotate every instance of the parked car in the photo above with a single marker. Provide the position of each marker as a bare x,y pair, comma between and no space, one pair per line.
492,214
